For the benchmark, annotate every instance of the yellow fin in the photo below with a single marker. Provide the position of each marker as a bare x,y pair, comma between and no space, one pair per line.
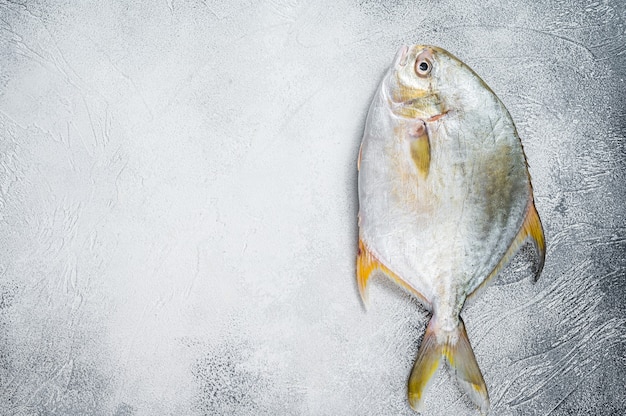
456,348
366,264
426,363
420,153
532,230
420,147
461,358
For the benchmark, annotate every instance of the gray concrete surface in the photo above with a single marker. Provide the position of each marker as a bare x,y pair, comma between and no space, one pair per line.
178,208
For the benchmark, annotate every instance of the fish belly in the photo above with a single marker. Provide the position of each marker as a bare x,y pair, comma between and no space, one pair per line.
443,233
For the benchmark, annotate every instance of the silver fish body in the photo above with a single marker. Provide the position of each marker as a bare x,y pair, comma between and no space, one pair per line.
445,199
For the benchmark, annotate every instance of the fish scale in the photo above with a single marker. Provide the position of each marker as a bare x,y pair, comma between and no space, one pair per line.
445,201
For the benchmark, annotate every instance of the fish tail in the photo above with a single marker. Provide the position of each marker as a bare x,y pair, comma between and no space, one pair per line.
456,349
461,358
426,364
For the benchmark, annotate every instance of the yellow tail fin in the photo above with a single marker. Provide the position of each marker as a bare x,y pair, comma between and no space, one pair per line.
455,347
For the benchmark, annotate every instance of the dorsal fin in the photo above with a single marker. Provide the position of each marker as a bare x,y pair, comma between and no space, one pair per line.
358,161
532,230
367,263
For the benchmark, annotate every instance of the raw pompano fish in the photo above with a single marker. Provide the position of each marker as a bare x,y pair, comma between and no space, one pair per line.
445,201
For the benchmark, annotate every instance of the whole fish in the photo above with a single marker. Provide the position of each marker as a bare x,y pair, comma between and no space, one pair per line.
445,201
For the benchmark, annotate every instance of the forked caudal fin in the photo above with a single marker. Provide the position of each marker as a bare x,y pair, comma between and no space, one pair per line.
456,349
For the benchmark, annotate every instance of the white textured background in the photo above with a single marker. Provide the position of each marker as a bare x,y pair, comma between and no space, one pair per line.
178,208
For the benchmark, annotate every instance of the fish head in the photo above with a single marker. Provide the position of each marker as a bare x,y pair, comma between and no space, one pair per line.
426,82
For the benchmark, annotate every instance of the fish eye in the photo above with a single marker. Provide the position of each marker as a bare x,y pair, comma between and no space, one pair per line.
423,67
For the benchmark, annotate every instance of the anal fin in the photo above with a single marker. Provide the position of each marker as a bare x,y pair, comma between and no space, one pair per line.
367,264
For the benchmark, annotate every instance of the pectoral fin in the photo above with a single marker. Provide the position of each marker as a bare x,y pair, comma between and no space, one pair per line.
532,230
420,147
367,264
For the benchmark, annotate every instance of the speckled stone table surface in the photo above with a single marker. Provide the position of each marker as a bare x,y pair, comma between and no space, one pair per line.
178,208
